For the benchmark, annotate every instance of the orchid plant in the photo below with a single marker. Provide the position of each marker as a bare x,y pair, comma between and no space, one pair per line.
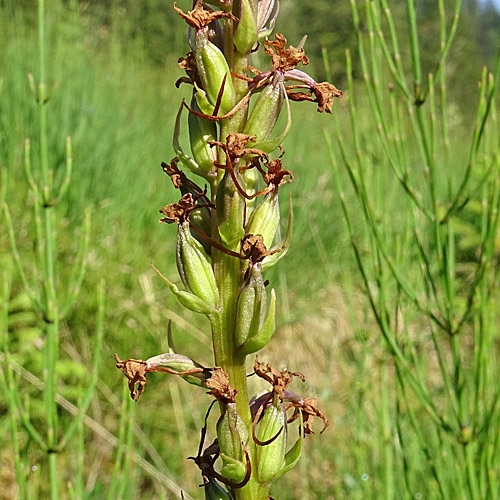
226,232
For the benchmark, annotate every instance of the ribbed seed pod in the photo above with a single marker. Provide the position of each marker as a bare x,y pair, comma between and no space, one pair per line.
202,130
271,457
231,433
194,267
212,68
230,211
266,110
265,218
251,306
200,218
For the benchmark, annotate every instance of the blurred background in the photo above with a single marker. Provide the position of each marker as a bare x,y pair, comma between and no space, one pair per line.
111,69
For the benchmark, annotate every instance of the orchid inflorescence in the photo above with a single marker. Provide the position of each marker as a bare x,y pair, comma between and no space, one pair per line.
226,238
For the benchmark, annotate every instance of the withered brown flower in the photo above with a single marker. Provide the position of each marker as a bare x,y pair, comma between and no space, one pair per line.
219,385
284,59
199,18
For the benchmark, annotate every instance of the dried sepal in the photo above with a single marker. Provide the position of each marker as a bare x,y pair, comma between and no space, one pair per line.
236,144
276,176
199,18
220,387
172,170
308,409
182,182
253,248
178,212
284,64
280,380
188,64
284,59
135,370
325,92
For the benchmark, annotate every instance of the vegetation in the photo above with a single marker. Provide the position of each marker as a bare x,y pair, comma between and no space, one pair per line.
405,353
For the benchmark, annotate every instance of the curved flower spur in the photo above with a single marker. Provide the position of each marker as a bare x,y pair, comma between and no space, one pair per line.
227,226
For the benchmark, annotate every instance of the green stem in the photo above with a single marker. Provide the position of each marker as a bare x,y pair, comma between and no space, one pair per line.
50,302
229,277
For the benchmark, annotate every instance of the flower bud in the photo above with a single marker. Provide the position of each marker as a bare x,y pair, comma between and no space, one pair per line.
246,33
202,130
266,110
194,267
271,457
251,304
212,69
265,218
231,433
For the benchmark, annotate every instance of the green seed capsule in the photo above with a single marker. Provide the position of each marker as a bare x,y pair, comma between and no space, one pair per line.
212,68
266,110
202,130
251,177
231,433
271,457
265,218
194,267
251,305
200,218
257,339
246,33
230,211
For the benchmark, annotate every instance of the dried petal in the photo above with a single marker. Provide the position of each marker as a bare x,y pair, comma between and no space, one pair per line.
219,383
284,59
325,93
199,18
178,212
308,407
188,64
253,248
135,370
280,380
171,169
